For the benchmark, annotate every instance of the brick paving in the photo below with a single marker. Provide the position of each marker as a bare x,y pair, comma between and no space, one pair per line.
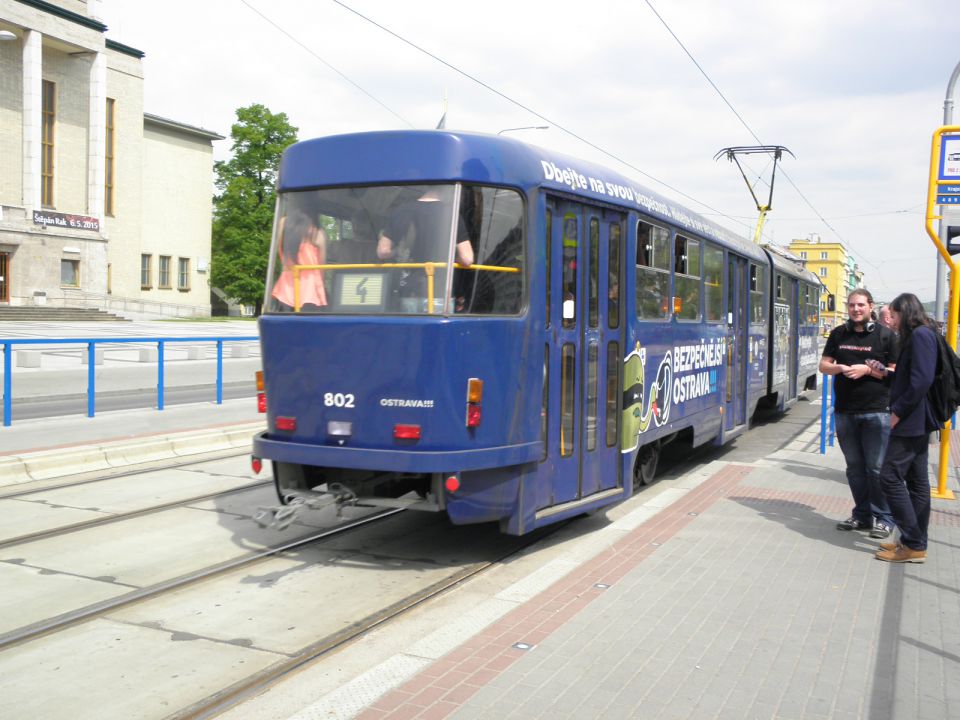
738,600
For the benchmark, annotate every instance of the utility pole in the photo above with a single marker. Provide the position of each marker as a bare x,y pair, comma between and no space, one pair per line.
941,231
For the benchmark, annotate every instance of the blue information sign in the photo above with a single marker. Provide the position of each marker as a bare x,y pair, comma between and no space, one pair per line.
950,158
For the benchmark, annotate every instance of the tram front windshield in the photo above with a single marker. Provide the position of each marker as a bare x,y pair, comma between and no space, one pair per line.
398,249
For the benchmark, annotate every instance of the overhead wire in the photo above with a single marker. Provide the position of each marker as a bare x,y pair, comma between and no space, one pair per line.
552,122
744,122
334,69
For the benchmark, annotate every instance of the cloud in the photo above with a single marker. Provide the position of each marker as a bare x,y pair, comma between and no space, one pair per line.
853,88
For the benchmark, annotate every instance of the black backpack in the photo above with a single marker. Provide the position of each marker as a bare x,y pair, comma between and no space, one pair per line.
944,394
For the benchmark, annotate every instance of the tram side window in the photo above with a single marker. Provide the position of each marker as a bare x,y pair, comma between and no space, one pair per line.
613,282
549,251
569,279
653,271
687,277
494,219
758,304
713,283
593,300
810,306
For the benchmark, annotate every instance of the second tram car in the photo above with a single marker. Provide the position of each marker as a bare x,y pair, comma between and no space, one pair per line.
468,324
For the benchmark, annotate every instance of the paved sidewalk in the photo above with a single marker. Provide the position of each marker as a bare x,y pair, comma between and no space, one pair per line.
728,595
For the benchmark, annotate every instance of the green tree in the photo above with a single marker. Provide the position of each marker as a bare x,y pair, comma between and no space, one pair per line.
244,205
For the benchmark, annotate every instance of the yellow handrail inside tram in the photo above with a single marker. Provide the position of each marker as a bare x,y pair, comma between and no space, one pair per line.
428,268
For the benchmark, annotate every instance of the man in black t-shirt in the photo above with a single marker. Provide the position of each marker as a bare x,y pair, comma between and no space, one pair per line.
862,409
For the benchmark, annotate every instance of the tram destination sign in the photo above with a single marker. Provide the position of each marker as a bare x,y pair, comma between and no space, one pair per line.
63,220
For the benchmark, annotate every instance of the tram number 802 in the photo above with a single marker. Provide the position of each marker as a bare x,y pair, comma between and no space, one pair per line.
340,400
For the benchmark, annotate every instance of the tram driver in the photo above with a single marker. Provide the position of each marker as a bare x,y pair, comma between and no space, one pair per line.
417,232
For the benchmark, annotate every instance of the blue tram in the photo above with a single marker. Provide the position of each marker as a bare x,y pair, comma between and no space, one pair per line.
471,325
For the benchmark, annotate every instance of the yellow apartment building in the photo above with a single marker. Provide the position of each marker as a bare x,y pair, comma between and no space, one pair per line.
838,271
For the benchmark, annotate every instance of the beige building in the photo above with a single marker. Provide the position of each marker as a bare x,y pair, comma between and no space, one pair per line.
101,205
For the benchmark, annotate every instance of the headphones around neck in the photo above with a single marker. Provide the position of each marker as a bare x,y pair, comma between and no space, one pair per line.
868,326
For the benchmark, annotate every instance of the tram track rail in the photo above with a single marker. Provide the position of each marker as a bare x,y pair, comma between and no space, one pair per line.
120,517
243,690
60,622
104,474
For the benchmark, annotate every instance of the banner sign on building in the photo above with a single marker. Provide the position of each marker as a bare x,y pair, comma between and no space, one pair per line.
62,220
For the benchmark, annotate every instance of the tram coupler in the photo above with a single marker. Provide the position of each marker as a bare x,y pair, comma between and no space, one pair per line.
281,517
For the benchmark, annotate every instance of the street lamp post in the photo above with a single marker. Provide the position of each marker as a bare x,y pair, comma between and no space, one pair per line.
525,127
942,228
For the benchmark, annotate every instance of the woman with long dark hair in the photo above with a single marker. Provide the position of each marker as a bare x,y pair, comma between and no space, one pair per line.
904,475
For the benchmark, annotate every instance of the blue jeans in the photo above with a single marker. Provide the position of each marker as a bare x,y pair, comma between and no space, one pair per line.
863,439
906,484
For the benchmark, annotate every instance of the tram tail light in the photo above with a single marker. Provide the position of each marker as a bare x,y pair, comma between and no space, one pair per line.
406,432
473,416
677,304
286,423
452,483
261,395
474,398
256,464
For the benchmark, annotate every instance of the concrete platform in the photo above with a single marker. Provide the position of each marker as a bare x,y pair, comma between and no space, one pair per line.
47,448
724,593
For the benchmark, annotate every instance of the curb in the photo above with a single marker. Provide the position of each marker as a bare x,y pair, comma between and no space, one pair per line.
64,462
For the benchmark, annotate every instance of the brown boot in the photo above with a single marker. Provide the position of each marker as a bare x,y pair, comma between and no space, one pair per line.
902,554
889,545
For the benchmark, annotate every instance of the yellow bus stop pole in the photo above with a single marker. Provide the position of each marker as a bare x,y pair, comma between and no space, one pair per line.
942,491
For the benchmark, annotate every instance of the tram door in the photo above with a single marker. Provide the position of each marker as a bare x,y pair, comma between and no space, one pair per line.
738,335
585,330
794,298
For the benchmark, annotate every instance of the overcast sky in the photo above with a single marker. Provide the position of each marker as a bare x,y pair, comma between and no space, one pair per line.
853,88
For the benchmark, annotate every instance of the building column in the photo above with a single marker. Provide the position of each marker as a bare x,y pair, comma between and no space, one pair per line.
96,142
32,117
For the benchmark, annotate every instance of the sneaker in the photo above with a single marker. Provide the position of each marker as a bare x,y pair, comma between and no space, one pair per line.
851,523
902,554
889,546
881,531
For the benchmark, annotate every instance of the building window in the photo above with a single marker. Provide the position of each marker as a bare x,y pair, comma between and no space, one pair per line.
70,273
146,271
803,254
163,279
823,254
109,165
48,110
183,274
823,272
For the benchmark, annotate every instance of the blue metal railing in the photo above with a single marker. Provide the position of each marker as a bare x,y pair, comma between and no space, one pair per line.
827,431
91,344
